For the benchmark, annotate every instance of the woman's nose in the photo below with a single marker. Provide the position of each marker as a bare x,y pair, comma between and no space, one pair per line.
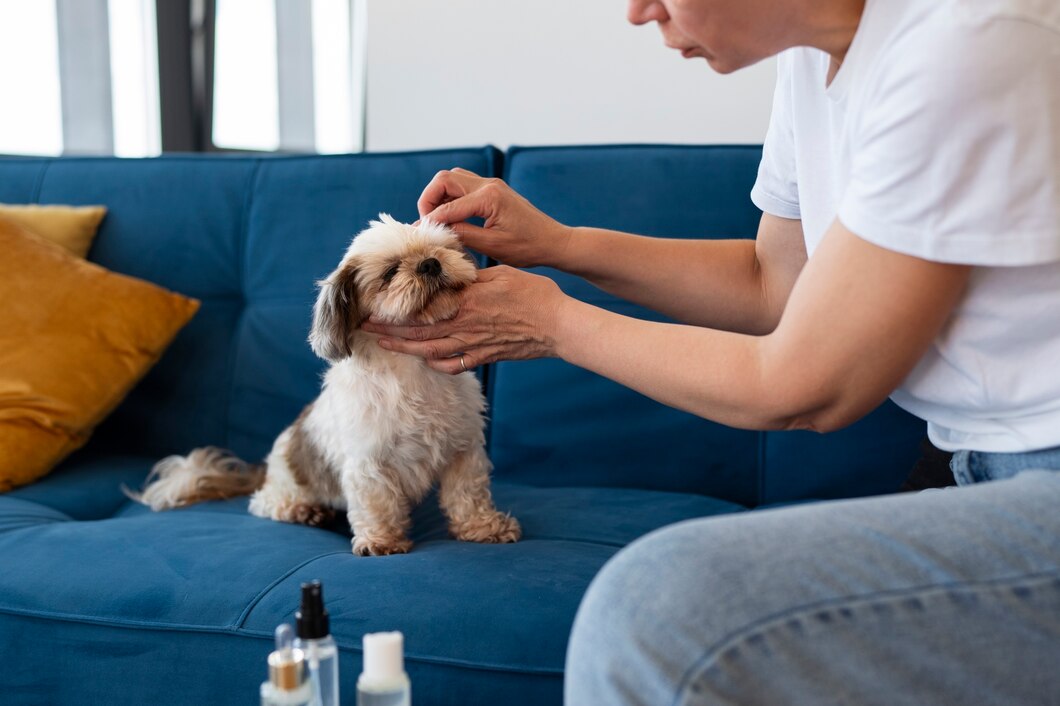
641,12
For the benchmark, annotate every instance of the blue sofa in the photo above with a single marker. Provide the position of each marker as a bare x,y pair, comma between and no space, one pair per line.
103,601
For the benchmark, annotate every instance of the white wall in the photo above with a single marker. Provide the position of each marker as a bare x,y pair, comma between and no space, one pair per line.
444,73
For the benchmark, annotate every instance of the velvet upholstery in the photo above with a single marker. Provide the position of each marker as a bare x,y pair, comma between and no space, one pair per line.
183,603
599,433
73,227
74,339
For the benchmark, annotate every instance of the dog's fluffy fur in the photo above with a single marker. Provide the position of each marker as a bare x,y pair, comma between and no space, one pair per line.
386,428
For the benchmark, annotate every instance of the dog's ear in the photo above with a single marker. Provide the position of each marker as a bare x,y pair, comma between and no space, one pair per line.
336,314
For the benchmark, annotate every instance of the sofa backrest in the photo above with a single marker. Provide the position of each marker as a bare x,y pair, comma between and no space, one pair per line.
557,424
250,236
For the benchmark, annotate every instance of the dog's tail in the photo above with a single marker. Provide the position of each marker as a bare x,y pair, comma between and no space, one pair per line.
204,474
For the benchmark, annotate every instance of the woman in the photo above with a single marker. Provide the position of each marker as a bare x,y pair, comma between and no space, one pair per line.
909,247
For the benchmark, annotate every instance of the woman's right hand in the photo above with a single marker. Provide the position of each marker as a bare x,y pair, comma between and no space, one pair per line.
515,232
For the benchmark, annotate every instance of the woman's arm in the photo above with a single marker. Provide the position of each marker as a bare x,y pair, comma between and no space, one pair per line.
735,285
856,323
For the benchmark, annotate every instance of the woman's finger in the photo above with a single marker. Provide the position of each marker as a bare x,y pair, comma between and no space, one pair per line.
411,333
477,357
478,204
446,186
431,350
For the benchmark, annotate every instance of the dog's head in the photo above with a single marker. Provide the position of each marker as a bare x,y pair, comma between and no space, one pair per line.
399,274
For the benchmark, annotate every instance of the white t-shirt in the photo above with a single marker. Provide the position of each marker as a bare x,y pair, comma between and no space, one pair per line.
939,137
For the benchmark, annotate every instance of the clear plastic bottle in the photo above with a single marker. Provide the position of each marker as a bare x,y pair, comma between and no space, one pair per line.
315,640
384,681
287,685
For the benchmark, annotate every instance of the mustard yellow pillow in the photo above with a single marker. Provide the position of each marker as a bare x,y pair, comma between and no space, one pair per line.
73,227
74,339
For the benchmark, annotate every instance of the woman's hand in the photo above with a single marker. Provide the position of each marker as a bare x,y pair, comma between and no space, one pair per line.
515,232
506,315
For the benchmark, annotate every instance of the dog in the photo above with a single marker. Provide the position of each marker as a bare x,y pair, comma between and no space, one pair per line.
385,428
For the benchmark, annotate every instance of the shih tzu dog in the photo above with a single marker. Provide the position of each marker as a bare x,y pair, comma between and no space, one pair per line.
386,428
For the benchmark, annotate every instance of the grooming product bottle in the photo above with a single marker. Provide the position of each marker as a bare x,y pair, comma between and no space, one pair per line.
384,681
315,640
287,685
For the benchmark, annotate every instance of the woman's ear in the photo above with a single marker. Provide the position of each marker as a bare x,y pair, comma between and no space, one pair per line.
336,314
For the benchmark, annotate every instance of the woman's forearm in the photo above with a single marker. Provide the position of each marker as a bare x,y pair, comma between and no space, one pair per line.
722,284
709,373
855,326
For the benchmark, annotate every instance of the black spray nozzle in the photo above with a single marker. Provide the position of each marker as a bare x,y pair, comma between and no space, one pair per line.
312,618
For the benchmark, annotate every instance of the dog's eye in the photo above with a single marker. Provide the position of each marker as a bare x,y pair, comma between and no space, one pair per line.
389,274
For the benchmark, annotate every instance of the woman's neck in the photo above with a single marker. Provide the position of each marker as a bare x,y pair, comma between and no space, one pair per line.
829,26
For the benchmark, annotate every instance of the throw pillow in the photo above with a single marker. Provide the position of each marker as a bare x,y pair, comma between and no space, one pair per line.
73,227
74,339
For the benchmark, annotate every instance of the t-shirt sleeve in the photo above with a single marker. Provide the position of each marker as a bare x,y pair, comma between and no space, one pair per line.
956,155
776,191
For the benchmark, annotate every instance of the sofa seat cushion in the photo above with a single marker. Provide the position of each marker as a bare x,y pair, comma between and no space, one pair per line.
210,571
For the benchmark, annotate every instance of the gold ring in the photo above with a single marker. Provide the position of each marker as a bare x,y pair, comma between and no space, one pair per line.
462,364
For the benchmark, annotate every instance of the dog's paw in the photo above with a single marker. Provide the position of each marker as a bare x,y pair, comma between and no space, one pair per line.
370,546
489,528
312,515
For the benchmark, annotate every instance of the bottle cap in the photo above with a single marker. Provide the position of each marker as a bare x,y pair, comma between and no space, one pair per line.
312,617
286,663
383,656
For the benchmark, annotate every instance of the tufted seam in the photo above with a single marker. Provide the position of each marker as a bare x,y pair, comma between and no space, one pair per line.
261,634
15,507
39,186
277,581
29,520
757,627
762,441
241,245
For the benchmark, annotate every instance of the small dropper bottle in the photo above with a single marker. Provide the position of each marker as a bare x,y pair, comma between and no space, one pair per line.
287,685
315,640
384,681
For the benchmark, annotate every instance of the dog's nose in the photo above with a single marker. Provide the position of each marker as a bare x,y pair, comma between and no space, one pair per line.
430,267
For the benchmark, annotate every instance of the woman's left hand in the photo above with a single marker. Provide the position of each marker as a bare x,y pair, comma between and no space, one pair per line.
507,314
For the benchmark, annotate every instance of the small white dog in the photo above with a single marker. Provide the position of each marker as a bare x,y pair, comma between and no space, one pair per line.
386,428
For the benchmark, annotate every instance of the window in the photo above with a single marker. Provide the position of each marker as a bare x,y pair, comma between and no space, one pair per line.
31,121
245,99
287,76
82,76
134,78
79,77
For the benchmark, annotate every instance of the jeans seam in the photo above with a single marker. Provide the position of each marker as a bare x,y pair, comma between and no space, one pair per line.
745,632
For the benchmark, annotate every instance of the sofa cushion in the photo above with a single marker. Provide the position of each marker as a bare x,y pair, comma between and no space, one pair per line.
554,424
249,237
74,339
73,227
211,579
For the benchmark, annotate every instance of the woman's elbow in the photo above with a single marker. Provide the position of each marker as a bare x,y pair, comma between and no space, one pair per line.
825,417
796,403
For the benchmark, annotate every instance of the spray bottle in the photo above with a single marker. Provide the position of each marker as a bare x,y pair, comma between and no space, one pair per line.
315,640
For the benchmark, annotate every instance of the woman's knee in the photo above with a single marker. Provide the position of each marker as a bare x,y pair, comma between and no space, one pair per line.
646,615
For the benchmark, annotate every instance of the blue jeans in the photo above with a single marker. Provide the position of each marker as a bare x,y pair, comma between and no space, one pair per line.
946,596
